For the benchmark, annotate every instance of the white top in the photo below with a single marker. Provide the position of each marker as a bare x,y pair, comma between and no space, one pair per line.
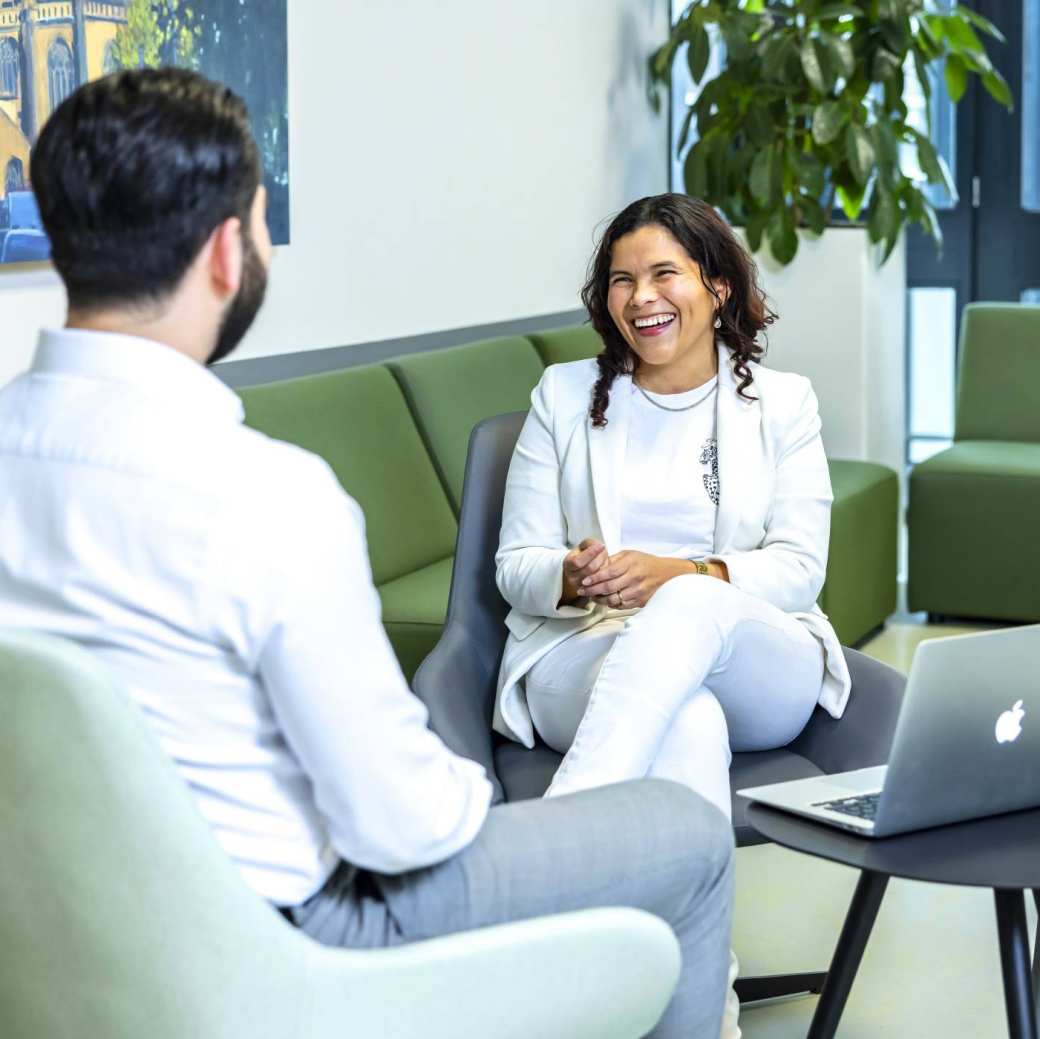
670,488
222,577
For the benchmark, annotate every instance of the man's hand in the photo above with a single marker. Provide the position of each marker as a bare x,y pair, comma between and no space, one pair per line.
629,579
581,563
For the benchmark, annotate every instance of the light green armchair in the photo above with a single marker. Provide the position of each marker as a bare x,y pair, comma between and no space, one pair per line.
120,916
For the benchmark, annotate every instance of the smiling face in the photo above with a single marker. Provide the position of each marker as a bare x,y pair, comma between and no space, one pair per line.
663,309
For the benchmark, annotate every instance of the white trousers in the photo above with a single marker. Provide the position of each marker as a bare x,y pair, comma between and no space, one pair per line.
669,690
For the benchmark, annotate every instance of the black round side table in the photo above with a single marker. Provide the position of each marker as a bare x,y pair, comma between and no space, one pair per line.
1001,852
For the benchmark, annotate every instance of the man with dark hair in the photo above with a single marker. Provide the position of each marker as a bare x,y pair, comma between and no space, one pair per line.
222,577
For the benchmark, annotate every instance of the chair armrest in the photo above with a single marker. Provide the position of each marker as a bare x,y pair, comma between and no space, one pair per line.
862,737
594,974
453,681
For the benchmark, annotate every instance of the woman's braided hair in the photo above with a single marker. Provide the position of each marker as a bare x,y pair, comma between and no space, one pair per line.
711,244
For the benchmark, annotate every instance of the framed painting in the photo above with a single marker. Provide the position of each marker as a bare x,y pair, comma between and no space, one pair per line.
48,48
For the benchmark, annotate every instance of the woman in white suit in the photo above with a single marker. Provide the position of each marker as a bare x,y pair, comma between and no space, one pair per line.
665,526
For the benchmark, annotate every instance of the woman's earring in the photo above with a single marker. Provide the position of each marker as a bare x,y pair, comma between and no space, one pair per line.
718,321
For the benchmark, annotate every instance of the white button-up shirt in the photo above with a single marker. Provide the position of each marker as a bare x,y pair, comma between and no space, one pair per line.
223,579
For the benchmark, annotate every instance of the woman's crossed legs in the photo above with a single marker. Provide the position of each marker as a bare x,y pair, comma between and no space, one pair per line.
668,691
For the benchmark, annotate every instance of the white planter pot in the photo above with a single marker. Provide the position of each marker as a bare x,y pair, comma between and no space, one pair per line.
843,324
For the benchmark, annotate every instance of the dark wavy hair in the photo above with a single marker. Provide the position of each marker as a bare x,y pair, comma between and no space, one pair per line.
711,244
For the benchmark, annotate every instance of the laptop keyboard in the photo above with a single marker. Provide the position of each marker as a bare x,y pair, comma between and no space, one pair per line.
863,806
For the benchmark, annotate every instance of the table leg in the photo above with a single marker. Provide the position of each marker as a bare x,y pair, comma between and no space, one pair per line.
1014,960
859,921
1036,955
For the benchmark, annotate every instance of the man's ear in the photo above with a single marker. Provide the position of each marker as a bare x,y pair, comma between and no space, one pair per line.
225,257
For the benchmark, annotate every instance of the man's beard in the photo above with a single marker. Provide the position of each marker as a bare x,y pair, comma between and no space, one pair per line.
242,310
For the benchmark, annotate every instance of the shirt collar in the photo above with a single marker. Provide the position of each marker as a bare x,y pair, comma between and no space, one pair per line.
148,366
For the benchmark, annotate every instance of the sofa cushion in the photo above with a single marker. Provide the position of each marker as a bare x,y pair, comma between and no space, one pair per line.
860,590
413,612
451,390
972,526
998,372
576,343
359,422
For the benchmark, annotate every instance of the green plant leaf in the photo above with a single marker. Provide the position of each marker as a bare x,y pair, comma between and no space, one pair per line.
783,239
809,172
885,143
698,52
929,160
829,12
850,199
884,65
812,66
860,152
960,35
813,215
924,79
754,228
980,22
738,45
956,73
827,121
894,25
930,222
764,176
717,190
775,55
759,125
997,88
661,62
884,216
840,51
684,131
695,170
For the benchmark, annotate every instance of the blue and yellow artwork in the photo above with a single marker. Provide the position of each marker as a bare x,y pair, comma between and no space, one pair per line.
49,47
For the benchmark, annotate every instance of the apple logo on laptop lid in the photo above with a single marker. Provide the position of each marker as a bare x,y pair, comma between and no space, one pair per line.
1009,724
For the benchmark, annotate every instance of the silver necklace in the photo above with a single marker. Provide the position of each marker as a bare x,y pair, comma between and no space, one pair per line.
664,407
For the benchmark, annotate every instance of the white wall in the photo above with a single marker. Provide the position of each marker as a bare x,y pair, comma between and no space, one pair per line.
843,324
449,162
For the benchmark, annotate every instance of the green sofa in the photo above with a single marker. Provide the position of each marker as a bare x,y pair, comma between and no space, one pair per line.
396,436
972,510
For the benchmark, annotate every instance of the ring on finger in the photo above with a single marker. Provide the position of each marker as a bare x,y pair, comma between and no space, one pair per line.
620,598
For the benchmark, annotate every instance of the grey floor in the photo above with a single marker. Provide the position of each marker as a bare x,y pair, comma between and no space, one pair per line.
931,969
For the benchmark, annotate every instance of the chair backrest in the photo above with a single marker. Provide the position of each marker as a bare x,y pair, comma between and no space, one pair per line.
457,681
998,373
573,343
451,390
120,916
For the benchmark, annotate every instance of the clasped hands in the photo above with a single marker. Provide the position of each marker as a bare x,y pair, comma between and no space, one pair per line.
625,580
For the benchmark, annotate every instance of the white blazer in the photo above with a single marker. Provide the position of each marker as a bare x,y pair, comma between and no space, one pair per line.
772,527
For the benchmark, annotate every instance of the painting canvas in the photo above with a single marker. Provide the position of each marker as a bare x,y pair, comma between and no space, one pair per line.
49,47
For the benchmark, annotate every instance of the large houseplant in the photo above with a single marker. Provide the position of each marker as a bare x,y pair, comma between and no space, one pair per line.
809,109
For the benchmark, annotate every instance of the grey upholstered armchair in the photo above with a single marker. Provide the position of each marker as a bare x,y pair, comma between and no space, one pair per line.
457,682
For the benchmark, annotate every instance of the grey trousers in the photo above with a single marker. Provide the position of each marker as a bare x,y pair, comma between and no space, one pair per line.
651,844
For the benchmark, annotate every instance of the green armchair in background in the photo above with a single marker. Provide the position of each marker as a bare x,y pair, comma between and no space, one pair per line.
974,508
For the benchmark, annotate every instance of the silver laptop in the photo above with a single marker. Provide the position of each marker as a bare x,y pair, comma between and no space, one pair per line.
967,743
